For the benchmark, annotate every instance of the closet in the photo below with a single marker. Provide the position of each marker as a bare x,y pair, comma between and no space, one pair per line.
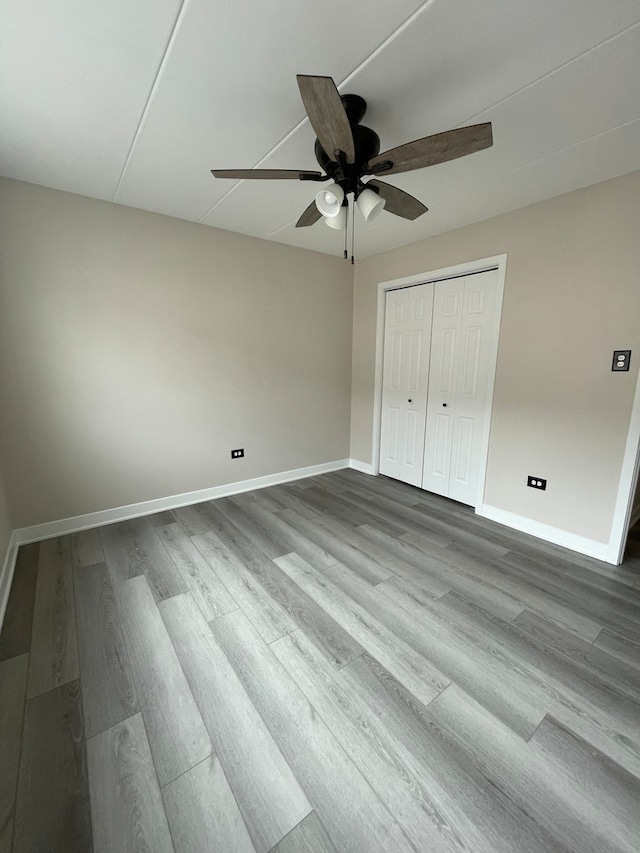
439,345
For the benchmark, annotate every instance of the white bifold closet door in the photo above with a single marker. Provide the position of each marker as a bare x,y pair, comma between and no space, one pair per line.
408,315
439,345
457,400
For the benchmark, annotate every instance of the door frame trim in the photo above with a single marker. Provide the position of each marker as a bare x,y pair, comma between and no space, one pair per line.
629,474
497,262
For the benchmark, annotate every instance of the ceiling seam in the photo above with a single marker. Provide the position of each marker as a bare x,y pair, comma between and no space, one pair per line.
555,70
511,172
143,115
383,44
504,100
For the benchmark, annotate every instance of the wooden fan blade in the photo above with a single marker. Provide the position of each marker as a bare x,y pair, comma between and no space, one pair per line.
266,174
398,201
310,216
431,150
327,115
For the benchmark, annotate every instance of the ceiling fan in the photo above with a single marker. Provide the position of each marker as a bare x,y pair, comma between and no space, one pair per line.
347,152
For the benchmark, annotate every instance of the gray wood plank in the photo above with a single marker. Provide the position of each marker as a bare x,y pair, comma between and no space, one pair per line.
416,591
208,591
402,493
337,540
466,806
576,579
353,816
520,588
292,500
409,667
416,519
53,814
288,536
192,519
86,548
227,516
450,610
623,649
268,795
266,499
270,619
108,692
132,548
607,717
160,519
176,732
332,505
471,539
606,667
553,796
427,572
459,573
15,638
492,679
128,815
203,813
374,516
309,836
13,687
336,645
54,648
604,608
614,792
401,784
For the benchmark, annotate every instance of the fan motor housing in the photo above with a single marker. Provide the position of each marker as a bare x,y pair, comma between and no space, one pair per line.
366,144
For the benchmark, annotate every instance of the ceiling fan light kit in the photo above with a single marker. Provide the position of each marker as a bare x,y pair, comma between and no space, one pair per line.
338,222
370,204
329,201
347,151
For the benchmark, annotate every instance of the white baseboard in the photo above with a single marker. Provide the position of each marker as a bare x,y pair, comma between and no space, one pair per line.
6,575
363,467
49,529
545,531
38,532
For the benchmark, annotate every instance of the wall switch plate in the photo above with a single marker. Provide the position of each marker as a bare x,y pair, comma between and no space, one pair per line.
621,359
237,454
536,483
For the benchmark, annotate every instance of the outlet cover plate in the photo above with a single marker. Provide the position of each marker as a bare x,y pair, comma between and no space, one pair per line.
536,482
621,359
237,454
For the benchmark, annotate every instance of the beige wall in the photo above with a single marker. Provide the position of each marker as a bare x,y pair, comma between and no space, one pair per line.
137,350
572,296
5,521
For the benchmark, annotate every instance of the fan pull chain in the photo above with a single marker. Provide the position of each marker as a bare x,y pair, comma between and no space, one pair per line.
346,227
353,224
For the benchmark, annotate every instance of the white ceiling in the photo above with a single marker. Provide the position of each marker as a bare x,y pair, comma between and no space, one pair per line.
134,101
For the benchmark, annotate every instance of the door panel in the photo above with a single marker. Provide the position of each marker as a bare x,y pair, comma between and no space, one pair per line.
472,405
461,462
443,377
408,313
459,379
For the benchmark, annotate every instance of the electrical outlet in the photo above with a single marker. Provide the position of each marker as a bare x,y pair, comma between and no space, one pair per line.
621,358
536,482
237,454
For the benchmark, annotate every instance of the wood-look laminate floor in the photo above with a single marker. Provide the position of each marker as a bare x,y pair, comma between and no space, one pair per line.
341,664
